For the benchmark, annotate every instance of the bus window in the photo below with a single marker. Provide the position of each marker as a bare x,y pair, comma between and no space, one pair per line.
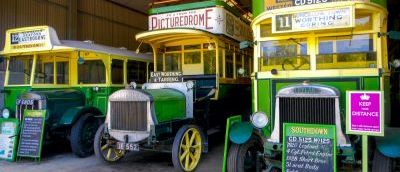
363,22
221,62
356,51
265,30
136,71
192,54
62,72
228,63
117,71
19,70
159,62
44,73
173,62
239,64
92,72
290,54
173,58
246,66
209,54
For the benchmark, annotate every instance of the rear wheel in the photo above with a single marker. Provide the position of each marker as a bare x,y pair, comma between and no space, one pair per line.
243,158
82,135
187,148
382,163
104,148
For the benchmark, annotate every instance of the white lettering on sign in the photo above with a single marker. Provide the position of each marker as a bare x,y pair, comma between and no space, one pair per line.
215,20
314,20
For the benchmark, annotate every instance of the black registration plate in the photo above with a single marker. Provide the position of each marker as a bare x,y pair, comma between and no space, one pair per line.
128,146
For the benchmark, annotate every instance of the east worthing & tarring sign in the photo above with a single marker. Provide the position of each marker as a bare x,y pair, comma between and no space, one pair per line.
365,113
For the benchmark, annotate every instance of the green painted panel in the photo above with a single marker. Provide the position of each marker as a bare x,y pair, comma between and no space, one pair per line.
11,95
182,7
382,3
258,7
169,104
371,83
264,97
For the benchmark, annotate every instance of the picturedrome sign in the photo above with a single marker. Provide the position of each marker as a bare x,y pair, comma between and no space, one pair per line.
216,20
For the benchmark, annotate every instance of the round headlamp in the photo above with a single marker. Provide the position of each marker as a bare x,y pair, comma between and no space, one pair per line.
259,119
5,113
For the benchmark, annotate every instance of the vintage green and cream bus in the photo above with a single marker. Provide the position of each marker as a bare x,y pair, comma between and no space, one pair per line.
71,80
307,55
200,40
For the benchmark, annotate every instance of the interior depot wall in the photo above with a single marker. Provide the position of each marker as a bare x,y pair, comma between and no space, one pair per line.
101,21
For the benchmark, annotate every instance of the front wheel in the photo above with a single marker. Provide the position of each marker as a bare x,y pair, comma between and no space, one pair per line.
82,135
243,158
187,148
104,148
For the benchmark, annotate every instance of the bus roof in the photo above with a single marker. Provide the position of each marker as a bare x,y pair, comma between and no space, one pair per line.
44,38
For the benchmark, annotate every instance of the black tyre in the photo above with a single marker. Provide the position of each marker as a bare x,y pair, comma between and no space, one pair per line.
382,163
104,148
82,135
243,158
187,148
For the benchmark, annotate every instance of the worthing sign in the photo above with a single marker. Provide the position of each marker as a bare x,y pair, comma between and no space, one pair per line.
314,20
216,20
365,113
277,4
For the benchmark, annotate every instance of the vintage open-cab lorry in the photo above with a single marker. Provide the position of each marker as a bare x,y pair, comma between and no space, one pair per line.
71,80
201,41
307,55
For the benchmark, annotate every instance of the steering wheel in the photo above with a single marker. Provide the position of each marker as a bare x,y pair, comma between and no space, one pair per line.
290,62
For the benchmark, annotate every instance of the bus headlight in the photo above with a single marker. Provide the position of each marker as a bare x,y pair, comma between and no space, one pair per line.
5,113
259,119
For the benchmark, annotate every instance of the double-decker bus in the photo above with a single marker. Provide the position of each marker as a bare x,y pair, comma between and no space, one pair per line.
200,40
308,54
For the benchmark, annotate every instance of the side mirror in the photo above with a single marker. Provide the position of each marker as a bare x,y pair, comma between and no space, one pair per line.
81,60
246,44
394,35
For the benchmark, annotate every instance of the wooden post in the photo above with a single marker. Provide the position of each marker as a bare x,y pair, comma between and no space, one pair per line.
72,23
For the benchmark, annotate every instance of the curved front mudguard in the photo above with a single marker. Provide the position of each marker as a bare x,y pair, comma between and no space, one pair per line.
389,145
237,132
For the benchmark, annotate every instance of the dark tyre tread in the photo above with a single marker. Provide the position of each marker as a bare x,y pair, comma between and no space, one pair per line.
236,154
382,163
75,141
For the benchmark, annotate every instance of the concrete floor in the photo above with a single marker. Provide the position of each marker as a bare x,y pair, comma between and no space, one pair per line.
55,160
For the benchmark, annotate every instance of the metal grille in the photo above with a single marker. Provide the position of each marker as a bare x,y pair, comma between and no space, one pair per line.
19,110
306,110
128,115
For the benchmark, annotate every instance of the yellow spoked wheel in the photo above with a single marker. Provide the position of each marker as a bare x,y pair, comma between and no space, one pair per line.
104,148
187,148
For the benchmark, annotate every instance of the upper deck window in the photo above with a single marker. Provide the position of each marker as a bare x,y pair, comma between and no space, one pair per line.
289,54
353,51
19,70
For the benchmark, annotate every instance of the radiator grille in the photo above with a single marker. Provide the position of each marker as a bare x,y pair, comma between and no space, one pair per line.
20,108
306,110
128,115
